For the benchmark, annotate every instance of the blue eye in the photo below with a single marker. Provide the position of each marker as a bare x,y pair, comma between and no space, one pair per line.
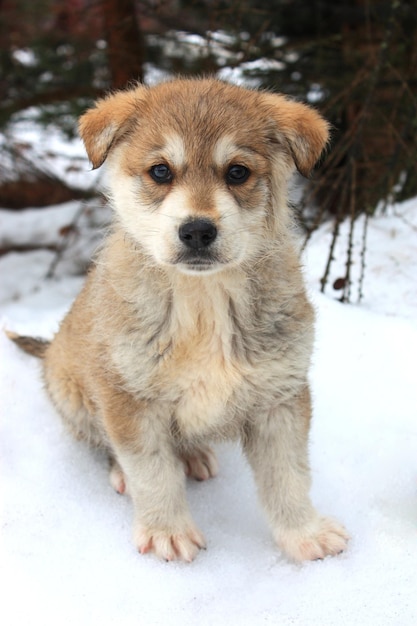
160,173
237,174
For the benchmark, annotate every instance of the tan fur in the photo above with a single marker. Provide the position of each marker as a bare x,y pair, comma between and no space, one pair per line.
168,347
31,345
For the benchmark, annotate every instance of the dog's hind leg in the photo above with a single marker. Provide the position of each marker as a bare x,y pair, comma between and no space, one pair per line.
116,476
72,401
200,463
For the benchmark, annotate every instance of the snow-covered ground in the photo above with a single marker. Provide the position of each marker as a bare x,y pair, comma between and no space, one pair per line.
66,555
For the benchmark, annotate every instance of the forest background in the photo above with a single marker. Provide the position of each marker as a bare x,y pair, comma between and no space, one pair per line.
356,61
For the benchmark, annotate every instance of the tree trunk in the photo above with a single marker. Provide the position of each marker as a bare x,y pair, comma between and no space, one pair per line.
124,40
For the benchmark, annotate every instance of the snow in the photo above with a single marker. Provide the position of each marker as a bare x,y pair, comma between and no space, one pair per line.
390,286
66,555
46,148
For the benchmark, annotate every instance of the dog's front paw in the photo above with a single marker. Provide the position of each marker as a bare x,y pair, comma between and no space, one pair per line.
319,538
201,464
169,545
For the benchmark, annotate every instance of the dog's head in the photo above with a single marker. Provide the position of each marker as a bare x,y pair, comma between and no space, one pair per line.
198,168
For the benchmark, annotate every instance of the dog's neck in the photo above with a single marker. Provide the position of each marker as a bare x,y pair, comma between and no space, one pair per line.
206,300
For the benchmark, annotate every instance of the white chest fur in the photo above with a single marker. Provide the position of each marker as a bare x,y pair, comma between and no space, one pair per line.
200,363
190,367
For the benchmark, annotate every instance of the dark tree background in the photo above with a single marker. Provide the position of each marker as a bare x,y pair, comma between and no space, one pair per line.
355,60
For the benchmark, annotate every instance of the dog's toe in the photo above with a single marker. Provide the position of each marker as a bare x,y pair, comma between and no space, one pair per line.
170,546
320,538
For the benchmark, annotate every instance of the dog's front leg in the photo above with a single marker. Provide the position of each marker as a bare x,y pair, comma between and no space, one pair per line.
276,447
154,475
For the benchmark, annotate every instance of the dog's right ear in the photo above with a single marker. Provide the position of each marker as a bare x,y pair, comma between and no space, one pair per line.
110,118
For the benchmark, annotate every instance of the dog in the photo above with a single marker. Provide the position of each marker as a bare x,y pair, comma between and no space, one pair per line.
194,325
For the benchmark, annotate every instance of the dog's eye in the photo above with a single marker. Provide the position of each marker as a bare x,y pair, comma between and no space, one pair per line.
161,173
237,174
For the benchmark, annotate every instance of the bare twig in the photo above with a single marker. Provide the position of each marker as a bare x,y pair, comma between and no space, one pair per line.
347,285
363,256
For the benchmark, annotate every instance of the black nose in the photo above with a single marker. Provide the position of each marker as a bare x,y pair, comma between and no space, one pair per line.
197,234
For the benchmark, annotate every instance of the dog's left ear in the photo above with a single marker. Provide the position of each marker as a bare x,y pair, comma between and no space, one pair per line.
108,121
304,131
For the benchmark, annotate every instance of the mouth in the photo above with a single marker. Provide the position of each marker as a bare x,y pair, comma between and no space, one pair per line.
199,267
201,264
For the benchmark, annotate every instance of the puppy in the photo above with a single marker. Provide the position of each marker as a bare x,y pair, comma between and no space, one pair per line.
194,324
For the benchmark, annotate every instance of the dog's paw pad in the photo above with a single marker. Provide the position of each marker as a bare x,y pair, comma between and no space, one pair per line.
170,546
201,464
117,478
320,538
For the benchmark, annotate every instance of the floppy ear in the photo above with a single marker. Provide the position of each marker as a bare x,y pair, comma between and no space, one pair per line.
110,118
304,131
